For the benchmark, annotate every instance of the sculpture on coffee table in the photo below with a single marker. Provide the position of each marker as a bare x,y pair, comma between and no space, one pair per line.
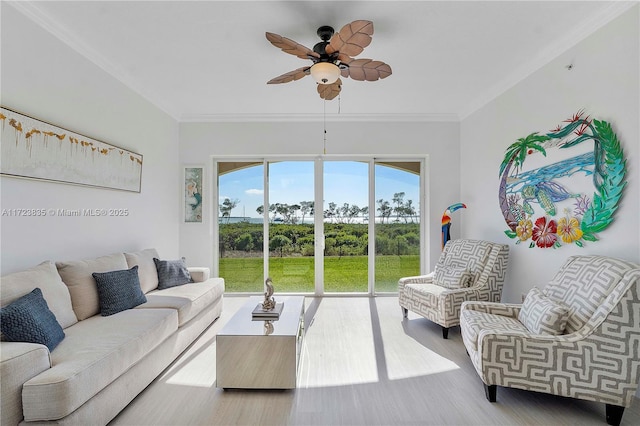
269,301
268,309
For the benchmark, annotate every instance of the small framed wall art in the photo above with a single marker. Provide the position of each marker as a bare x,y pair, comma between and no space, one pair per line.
35,149
193,192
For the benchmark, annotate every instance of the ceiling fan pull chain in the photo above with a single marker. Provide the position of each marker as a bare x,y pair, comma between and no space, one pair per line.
324,124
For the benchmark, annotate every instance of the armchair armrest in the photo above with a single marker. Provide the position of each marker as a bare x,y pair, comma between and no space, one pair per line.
199,274
493,308
418,279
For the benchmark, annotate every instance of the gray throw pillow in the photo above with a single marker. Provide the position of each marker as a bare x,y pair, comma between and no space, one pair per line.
452,277
118,290
542,315
172,273
29,319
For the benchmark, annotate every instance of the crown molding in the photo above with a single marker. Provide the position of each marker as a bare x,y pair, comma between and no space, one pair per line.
278,118
49,24
585,29
578,34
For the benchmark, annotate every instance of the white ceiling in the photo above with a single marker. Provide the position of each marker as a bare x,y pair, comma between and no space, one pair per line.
210,60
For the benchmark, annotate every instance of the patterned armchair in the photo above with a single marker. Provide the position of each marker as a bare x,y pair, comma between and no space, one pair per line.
579,337
466,270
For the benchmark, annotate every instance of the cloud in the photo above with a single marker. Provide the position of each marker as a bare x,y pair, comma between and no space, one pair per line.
254,192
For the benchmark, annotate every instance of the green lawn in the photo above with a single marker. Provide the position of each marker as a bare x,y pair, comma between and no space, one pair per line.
296,274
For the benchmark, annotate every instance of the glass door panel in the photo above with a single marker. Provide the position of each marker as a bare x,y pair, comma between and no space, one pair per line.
346,213
291,228
240,224
397,223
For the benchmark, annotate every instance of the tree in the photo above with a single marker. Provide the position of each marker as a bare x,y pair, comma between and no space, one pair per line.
365,213
331,212
384,209
306,208
244,242
279,242
409,211
291,213
398,199
226,207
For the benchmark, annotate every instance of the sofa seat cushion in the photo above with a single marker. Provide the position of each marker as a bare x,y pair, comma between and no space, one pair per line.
425,294
189,299
475,322
94,353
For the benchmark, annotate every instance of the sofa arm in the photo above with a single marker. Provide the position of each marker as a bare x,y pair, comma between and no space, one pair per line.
19,363
493,308
199,274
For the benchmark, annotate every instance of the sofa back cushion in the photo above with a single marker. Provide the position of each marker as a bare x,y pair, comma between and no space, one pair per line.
583,283
82,287
45,277
146,268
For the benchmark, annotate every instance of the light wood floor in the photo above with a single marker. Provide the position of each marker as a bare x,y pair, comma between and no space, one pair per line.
361,365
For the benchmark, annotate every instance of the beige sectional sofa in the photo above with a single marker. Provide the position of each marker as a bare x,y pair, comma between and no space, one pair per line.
103,362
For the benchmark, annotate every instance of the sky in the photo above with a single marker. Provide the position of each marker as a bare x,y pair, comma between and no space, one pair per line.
291,182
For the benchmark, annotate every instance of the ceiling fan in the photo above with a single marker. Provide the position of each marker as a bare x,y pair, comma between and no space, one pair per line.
333,57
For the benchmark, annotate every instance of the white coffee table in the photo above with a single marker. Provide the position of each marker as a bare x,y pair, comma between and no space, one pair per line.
249,358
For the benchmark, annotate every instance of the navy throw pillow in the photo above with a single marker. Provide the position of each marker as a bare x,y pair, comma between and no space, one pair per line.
29,319
172,273
118,290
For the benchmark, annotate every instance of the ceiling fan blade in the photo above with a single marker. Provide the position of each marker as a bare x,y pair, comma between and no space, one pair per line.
291,47
330,91
351,39
367,69
294,75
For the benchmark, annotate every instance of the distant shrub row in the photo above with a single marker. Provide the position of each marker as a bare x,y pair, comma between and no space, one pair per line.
341,239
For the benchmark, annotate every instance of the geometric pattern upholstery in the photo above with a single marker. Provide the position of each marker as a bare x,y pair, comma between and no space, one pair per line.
485,261
598,356
583,283
541,314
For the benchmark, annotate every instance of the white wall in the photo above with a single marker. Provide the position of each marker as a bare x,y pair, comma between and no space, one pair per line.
439,140
46,79
605,82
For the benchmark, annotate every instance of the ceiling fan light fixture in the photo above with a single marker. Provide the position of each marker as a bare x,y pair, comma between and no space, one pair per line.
325,72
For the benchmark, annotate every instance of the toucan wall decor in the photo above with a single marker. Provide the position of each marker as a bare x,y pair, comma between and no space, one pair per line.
569,201
446,221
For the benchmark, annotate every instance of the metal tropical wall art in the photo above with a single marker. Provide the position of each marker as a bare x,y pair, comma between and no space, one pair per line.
568,201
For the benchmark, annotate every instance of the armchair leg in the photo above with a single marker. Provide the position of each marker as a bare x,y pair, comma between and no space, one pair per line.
445,332
490,392
405,312
614,414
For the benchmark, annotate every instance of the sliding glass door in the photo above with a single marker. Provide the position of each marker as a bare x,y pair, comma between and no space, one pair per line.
291,231
346,217
241,225
397,225
327,225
